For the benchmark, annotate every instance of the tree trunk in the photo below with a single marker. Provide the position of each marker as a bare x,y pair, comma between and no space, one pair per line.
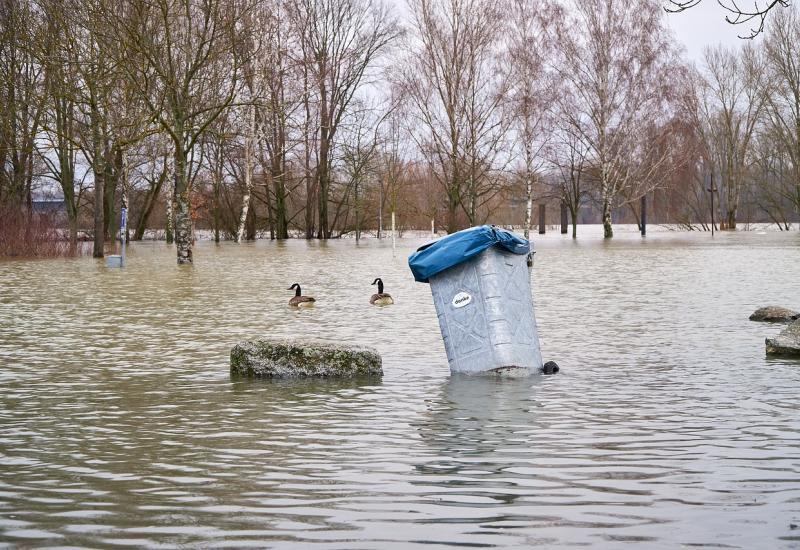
183,213
216,184
150,199
323,165
608,231
324,230
574,214
97,250
250,233
113,171
528,206
248,173
169,230
279,190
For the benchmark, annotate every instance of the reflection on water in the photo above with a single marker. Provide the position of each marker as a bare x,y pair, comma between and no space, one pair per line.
120,426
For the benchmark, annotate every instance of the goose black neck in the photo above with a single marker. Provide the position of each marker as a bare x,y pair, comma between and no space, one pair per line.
380,286
297,290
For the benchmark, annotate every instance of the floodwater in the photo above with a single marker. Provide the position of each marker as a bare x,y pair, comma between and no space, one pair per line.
667,427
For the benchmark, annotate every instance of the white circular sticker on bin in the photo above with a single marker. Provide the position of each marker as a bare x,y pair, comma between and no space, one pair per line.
461,299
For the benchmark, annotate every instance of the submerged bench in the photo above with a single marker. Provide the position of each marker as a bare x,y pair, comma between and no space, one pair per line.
290,359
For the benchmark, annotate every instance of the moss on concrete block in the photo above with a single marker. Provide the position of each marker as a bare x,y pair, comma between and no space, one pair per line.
291,359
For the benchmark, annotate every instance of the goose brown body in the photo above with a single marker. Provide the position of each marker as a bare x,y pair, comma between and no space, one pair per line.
299,300
381,298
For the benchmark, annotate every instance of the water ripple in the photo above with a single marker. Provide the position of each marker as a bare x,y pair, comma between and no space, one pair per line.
120,426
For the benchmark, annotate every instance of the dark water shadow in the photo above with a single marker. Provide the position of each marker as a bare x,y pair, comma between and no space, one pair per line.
282,388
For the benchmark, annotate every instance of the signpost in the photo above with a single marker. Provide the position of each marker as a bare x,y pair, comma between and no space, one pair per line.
119,260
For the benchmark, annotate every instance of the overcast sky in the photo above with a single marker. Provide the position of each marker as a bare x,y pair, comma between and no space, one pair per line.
705,25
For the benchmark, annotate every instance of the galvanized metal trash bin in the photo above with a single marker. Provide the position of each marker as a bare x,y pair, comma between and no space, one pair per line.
480,283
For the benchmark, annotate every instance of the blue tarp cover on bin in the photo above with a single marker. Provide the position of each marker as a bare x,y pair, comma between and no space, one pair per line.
459,247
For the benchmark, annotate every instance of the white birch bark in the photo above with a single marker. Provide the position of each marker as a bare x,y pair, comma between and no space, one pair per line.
248,172
170,229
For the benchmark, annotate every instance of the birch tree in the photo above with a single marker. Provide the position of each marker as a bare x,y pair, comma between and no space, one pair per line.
249,140
533,90
183,59
615,59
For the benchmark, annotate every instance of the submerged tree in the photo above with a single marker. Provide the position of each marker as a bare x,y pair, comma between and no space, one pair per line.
22,96
183,58
618,66
732,102
783,100
533,90
342,40
455,88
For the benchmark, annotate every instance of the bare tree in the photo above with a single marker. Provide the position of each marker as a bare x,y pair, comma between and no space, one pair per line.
569,155
341,40
183,58
275,76
533,91
736,15
615,60
783,99
22,96
732,102
455,89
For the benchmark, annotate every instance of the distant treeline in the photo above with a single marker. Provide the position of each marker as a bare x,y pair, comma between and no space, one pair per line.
321,117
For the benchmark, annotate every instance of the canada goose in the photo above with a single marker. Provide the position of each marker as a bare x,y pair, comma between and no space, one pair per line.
380,299
298,300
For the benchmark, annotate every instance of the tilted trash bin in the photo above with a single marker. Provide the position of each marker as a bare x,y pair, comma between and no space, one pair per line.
481,288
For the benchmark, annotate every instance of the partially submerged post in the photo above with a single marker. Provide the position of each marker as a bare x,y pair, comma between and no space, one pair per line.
563,218
644,215
542,216
119,260
394,242
481,288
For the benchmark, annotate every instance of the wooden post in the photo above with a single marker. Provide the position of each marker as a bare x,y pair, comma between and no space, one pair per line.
644,215
541,219
563,218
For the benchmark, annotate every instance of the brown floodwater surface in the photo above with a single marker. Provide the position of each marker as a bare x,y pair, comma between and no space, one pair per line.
121,427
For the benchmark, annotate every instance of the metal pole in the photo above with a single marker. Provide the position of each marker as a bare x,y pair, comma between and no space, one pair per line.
123,230
644,215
